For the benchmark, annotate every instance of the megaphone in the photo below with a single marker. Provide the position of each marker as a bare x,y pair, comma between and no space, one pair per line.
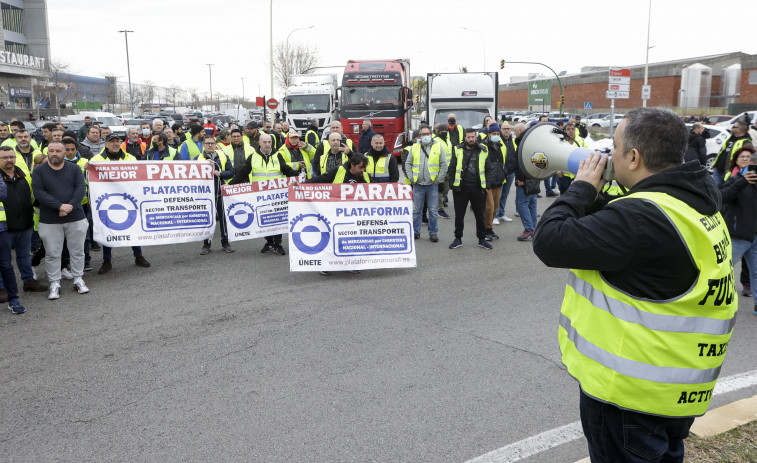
545,150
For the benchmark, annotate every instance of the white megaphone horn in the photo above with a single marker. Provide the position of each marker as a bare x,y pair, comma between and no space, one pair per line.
545,150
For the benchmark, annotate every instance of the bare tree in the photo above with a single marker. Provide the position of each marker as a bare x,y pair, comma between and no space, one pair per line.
297,59
173,90
420,87
58,70
111,92
149,91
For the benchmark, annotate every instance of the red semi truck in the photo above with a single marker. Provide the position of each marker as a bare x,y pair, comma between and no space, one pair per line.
377,90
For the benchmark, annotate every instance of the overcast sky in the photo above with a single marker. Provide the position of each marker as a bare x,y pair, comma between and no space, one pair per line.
173,40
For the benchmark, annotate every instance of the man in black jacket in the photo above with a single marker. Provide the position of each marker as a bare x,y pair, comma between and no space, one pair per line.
19,216
264,164
642,267
697,148
467,171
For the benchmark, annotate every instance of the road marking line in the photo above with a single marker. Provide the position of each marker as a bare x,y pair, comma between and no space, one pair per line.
530,446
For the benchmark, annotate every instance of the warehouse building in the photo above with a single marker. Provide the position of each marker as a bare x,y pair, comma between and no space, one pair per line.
725,83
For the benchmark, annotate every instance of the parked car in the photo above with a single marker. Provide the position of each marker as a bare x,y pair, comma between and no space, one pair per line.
729,123
604,122
134,123
718,118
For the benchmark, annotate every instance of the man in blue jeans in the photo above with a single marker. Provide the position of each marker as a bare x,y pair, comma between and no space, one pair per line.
509,134
19,215
6,267
426,166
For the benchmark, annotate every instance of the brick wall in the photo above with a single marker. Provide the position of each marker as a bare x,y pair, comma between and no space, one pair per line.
664,93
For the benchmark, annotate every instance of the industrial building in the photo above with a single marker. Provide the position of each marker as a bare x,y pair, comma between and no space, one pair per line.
715,84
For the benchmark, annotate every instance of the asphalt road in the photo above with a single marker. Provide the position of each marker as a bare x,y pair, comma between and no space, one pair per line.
230,357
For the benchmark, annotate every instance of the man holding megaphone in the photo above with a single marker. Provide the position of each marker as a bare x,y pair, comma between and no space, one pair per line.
651,278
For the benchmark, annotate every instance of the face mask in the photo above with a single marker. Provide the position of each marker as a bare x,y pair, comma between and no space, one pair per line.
426,139
495,138
443,135
146,132
451,121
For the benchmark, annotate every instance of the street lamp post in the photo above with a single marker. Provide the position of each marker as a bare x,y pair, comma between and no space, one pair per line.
286,58
270,39
553,72
483,37
646,64
210,73
128,70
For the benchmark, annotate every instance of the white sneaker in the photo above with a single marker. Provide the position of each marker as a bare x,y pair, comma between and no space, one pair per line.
54,290
66,273
80,286
506,219
495,221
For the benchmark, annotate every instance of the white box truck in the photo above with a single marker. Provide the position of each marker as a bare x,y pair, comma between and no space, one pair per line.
471,96
311,96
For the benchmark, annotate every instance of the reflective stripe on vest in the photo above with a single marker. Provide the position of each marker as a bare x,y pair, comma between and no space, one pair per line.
221,155
323,160
432,162
317,139
655,357
379,170
459,153
307,153
229,150
736,146
192,148
341,172
262,170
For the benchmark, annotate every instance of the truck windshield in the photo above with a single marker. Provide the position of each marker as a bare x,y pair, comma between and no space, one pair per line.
468,118
305,104
372,101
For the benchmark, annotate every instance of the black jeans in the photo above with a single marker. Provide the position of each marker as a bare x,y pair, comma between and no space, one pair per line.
616,435
477,198
273,239
221,219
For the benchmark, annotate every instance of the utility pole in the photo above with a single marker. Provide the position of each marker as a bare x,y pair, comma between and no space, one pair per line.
210,72
128,70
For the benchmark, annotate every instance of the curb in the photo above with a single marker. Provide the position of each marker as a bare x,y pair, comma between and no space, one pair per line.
726,418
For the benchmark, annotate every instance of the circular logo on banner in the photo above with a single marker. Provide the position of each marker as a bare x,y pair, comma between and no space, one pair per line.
539,160
310,233
241,215
117,211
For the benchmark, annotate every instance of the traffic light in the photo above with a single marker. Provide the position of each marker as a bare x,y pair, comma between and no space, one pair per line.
415,99
562,100
502,64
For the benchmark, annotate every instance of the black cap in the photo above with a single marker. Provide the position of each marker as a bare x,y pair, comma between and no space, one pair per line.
253,125
111,136
195,129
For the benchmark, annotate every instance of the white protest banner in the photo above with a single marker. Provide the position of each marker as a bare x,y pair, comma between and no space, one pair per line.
257,209
350,226
151,202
